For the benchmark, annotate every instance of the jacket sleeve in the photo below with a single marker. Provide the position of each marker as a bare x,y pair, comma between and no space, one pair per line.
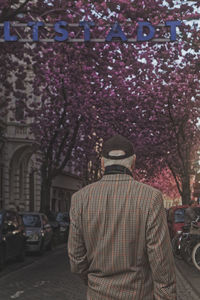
76,247
160,252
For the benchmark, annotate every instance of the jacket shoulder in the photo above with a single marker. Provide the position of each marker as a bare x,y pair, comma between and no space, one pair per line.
85,189
147,188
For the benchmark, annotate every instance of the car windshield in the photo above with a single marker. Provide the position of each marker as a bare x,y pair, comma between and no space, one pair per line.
179,215
32,220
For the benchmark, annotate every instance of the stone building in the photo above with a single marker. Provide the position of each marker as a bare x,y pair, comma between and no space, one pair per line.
20,182
2,141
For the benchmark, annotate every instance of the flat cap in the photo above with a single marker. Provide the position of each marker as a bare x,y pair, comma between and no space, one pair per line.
117,142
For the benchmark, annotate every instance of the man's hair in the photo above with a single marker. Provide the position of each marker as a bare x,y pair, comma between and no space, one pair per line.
191,202
126,162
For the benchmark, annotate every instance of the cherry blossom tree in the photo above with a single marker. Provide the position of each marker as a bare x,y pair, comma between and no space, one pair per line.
88,91
154,104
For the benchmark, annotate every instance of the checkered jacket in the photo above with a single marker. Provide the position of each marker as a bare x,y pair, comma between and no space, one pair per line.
119,241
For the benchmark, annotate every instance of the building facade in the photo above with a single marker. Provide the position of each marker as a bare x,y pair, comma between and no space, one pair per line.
20,181
2,142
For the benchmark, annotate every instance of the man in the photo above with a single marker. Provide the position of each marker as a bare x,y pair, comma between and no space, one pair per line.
119,241
190,214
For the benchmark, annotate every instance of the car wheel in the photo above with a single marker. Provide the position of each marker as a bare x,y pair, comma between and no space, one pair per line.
2,258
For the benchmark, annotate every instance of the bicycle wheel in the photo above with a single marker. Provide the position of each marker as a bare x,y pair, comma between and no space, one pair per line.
196,256
176,246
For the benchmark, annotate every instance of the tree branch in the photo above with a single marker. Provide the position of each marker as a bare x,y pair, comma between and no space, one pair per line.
69,151
12,13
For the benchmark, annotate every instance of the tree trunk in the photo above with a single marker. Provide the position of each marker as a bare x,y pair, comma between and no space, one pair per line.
186,192
45,190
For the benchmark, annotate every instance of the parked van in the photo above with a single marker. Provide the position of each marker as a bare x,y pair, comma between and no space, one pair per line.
39,233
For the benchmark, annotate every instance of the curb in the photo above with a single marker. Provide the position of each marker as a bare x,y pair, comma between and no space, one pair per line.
194,294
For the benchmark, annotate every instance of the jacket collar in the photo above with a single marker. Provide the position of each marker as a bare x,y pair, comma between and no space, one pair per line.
117,169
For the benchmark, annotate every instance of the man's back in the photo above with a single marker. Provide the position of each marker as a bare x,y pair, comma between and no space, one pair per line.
122,225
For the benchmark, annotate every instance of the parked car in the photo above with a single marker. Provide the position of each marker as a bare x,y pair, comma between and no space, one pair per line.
175,218
63,219
12,237
39,232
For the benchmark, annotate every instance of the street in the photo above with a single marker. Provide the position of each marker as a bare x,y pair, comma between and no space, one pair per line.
49,277
189,279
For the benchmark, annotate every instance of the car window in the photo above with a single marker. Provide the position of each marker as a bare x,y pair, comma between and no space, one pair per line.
31,220
179,215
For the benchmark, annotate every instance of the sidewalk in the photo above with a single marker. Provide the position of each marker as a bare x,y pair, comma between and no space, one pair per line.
189,277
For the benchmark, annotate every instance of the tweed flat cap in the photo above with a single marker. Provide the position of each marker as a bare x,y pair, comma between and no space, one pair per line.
117,142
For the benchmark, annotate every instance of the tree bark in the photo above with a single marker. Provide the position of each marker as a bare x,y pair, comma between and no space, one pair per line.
186,191
45,190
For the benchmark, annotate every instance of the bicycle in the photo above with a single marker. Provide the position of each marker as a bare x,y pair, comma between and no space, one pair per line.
196,249
181,244
186,245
